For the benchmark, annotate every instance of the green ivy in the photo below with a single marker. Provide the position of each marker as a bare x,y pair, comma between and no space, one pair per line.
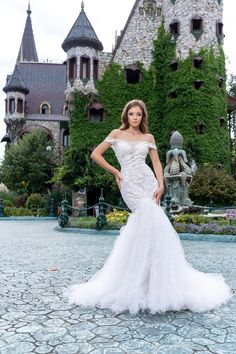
190,107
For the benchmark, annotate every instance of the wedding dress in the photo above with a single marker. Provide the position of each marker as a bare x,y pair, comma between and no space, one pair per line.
147,268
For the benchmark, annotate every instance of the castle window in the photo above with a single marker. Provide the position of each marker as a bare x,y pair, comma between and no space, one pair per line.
20,105
219,32
96,113
197,27
219,1
85,68
66,138
197,84
173,94
221,82
66,108
173,1
72,70
222,122
198,62
6,106
175,28
174,65
95,69
45,108
200,128
12,105
132,74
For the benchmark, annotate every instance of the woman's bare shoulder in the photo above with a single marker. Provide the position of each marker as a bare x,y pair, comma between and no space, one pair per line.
150,138
115,133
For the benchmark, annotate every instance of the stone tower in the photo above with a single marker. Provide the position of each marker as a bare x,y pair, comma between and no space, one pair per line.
82,47
16,91
194,24
16,88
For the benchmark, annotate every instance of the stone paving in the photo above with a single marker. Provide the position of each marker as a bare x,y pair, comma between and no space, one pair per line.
37,263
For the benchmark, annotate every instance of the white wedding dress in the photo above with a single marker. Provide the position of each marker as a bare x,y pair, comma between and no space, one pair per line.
147,268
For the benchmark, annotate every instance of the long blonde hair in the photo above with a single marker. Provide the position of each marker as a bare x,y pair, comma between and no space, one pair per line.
143,127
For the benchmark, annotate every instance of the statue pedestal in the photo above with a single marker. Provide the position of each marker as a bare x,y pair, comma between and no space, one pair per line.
178,186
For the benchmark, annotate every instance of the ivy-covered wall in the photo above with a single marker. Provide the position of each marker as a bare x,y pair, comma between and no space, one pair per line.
173,104
182,107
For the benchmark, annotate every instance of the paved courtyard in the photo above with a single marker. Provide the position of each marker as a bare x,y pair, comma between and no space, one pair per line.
37,263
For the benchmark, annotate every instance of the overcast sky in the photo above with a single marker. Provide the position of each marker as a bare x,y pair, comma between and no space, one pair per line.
52,20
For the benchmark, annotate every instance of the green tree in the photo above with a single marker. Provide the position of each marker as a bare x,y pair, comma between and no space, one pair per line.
27,166
214,184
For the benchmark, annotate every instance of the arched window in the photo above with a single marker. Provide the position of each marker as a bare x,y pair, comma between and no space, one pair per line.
175,28
200,128
174,65
219,32
84,68
45,108
221,82
173,94
197,84
222,122
96,113
12,105
6,106
198,62
95,69
66,108
66,138
197,27
20,105
132,74
72,70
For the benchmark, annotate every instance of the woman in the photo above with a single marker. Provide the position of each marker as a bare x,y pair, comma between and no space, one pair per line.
146,268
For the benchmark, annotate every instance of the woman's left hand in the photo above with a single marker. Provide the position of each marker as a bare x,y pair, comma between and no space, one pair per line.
158,193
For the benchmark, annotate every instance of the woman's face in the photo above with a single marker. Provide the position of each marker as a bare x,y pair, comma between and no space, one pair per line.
135,116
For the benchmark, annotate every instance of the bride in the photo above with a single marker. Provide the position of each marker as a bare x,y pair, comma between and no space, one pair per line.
147,268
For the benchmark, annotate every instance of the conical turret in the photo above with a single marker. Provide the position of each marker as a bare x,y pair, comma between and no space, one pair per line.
27,51
82,34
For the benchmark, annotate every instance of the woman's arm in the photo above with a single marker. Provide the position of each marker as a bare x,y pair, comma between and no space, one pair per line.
157,169
97,156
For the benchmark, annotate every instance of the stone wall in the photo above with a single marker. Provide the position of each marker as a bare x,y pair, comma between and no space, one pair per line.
52,127
137,42
183,11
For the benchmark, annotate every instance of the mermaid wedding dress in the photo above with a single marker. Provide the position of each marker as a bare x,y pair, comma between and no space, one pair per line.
147,268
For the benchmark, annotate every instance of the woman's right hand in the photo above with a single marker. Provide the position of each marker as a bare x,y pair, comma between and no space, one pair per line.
118,178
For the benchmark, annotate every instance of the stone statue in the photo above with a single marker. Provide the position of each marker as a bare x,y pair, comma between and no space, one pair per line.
177,173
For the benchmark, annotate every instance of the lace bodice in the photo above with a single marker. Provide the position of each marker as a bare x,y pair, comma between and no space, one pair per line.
138,180
130,153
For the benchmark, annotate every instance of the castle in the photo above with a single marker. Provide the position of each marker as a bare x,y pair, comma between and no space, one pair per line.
38,94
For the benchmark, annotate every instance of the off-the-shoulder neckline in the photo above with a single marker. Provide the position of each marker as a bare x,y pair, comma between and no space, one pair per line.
132,141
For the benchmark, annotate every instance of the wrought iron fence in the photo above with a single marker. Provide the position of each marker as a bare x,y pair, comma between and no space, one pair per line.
102,205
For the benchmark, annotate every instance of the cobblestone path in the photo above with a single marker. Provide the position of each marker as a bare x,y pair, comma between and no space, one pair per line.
37,263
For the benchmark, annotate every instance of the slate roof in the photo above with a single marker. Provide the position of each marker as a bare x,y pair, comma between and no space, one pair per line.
231,103
15,82
82,34
27,51
46,83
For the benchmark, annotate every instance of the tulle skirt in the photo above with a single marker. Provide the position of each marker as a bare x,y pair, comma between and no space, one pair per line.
147,270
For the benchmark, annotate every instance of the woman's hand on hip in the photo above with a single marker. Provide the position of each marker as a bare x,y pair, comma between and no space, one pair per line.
118,178
158,193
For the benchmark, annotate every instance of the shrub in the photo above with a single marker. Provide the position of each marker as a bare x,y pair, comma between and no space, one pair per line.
34,201
118,216
214,184
13,211
210,228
